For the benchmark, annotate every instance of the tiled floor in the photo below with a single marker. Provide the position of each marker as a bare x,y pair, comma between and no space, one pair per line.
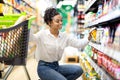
18,72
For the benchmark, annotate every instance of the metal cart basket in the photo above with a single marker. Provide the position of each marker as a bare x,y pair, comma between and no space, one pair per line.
14,45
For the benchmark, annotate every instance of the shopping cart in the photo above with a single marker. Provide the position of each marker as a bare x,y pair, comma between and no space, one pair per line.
14,46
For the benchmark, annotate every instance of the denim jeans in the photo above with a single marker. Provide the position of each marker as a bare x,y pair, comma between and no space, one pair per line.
54,71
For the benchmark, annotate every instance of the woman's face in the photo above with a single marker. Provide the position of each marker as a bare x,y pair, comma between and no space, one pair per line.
56,22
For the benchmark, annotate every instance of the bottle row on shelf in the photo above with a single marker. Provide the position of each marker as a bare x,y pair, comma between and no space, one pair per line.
108,36
103,74
15,9
16,6
89,71
107,10
107,51
99,59
106,19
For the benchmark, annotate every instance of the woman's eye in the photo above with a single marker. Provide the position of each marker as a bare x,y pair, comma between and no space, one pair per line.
57,21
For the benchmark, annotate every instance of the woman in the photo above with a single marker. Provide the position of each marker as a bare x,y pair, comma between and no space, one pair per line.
50,46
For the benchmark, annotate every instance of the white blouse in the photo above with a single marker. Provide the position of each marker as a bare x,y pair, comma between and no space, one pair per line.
50,48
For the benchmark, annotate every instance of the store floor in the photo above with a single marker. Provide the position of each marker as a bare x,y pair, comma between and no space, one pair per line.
18,72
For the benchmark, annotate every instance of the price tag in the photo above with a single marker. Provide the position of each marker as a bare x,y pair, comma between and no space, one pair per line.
104,76
117,55
97,69
92,45
102,49
100,72
105,50
99,47
94,65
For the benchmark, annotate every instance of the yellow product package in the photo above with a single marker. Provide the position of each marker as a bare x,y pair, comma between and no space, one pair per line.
93,33
1,8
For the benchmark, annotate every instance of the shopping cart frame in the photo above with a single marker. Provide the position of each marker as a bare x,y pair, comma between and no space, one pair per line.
21,59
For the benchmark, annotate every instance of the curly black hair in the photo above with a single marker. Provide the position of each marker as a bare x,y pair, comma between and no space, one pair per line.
49,14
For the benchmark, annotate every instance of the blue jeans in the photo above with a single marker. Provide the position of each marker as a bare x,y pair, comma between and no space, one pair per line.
54,71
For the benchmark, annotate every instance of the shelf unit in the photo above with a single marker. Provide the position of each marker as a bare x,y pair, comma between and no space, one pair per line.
110,18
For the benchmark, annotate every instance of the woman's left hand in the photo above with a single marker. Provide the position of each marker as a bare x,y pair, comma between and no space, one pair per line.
89,37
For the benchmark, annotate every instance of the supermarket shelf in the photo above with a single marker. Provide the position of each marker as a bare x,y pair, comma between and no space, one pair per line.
17,7
107,19
29,3
9,4
108,51
25,1
99,70
90,6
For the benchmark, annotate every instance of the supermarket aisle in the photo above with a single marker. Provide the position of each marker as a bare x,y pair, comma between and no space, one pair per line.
103,49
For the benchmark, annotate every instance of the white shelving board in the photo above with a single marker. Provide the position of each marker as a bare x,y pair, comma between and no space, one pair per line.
100,71
32,4
110,16
88,6
108,51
